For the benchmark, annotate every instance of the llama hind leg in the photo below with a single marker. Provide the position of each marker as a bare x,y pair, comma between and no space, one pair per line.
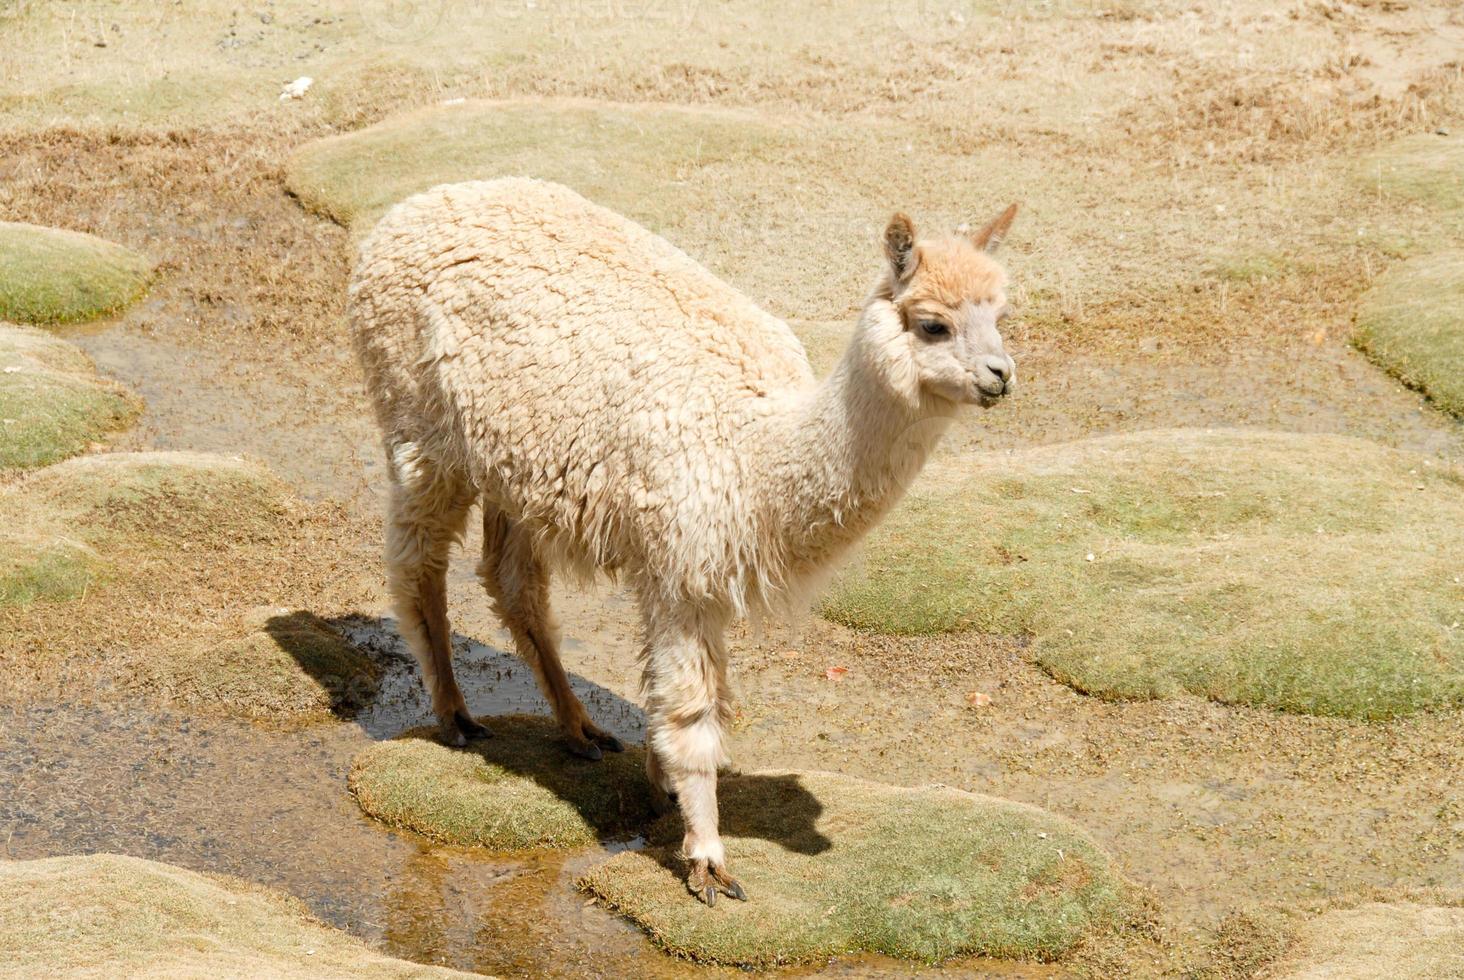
518,582
688,706
425,515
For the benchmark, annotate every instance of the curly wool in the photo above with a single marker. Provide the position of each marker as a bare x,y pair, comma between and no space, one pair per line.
593,382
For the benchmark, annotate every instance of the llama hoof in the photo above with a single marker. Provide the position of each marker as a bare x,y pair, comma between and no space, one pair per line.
706,880
588,741
460,727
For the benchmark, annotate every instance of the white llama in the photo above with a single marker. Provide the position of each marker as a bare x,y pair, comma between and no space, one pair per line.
614,406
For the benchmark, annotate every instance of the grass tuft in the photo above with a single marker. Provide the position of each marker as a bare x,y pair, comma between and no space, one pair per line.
519,789
289,665
1412,324
106,915
838,865
1313,574
50,275
52,404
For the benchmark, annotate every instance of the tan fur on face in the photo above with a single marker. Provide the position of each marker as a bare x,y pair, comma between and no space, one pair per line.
948,273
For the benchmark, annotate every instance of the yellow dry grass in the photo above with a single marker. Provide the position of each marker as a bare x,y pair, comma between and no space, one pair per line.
1377,941
107,915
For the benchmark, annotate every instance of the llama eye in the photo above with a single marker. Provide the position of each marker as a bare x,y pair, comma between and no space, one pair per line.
933,328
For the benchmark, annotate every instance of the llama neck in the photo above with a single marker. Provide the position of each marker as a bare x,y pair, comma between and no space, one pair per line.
848,450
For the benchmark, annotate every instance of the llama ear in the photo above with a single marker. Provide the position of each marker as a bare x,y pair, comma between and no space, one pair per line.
899,247
988,238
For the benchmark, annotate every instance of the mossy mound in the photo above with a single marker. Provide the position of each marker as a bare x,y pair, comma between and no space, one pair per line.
105,915
1316,574
835,865
288,665
49,275
65,525
1378,942
519,789
52,404
628,157
1412,324
159,499
1424,167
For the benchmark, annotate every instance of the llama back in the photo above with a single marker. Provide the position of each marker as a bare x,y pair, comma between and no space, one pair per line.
581,372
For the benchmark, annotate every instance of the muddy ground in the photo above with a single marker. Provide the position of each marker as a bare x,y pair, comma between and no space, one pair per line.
239,348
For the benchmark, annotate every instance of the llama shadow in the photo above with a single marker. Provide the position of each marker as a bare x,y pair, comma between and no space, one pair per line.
386,698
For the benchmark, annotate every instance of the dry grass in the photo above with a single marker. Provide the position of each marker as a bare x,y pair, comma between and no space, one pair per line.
1307,573
106,915
52,404
1377,942
1412,324
49,275
519,789
837,865
143,573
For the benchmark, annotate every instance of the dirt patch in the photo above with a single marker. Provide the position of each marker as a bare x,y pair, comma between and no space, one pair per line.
837,865
110,915
519,789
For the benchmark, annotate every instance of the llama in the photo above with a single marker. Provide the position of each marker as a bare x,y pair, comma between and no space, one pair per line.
615,407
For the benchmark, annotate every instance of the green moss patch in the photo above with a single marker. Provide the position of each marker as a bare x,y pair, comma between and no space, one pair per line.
1424,167
52,404
109,915
288,665
1315,574
49,275
1412,324
633,158
519,789
1378,942
835,865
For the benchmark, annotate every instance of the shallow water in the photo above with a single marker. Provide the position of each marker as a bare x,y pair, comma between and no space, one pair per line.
219,795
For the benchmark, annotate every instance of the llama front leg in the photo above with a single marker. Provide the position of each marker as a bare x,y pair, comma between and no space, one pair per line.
687,709
425,514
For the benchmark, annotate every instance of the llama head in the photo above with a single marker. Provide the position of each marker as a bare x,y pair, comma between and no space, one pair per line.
950,297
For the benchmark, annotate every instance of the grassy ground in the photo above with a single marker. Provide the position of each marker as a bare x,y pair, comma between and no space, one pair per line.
1301,573
519,789
1412,324
109,915
164,560
55,276
837,865
52,404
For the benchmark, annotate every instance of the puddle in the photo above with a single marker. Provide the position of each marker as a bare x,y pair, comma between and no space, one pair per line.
219,795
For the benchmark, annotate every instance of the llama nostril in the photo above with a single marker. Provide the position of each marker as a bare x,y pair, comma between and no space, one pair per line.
1001,367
